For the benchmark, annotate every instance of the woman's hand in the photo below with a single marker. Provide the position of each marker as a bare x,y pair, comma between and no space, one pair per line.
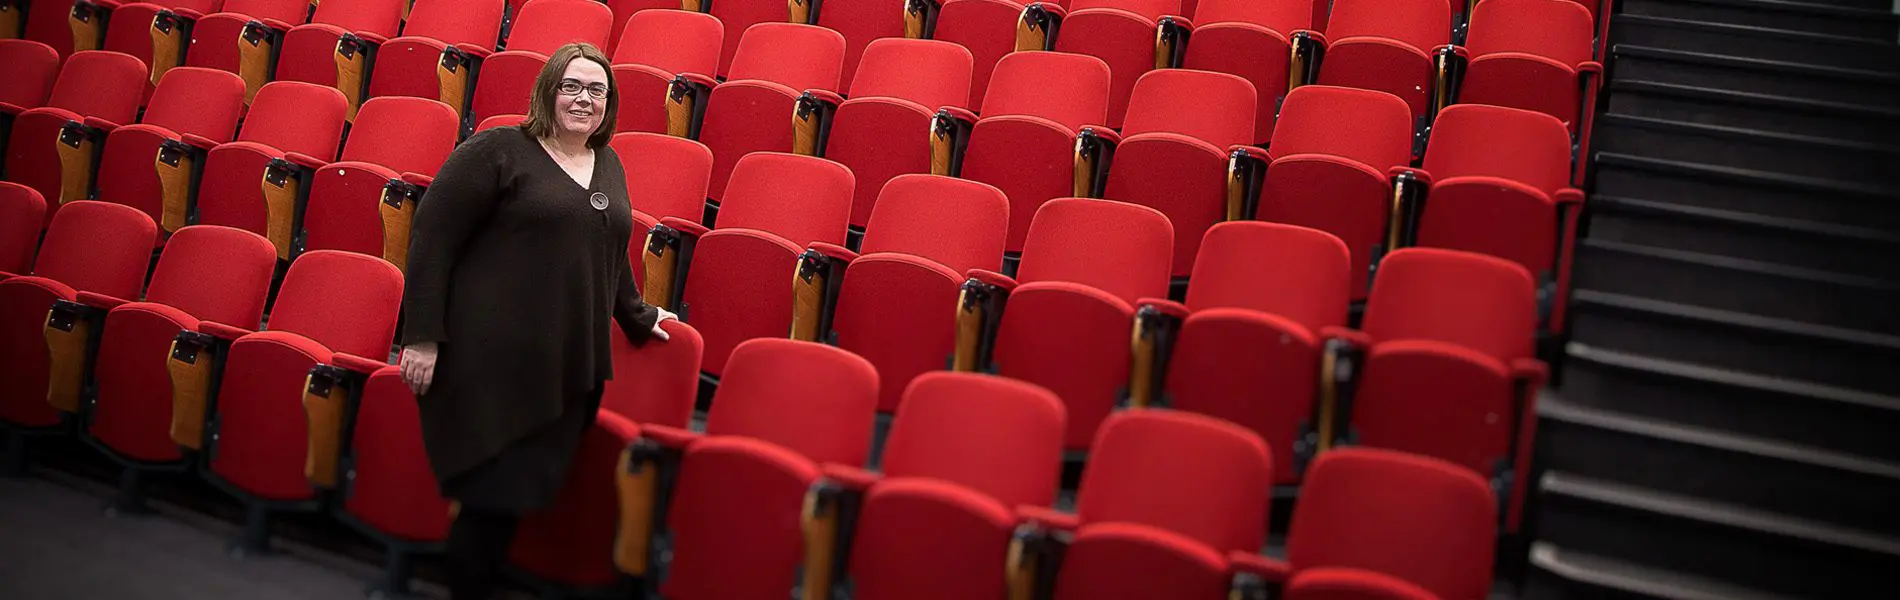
418,366
665,315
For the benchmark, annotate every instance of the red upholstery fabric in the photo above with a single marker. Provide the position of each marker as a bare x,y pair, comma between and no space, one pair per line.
656,382
1249,38
190,101
878,133
752,111
285,117
1387,45
571,543
988,29
392,136
129,28
308,51
1025,144
392,488
90,247
1496,175
1250,352
500,121
1217,498
95,83
737,288
29,69
506,82
1132,561
625,10
1419,520
1330,153
406,66
329,302
46,23
666,176
811,399
1122,34
22,212
1173,155
1529,55
964,449
1066,328
1351,584
214,37
659,45
895,303
783,408
739,16
206,272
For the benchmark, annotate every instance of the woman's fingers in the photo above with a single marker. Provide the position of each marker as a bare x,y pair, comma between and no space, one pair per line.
659,332
426,377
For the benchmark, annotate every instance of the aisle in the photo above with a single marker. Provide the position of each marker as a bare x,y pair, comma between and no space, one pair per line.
57,544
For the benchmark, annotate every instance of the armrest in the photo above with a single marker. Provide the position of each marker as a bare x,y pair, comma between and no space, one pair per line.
827,96
99,301
1103,132
275,24
221,331
834,251
992,278
199,142
357,363
1569,196
6,275
962,114
1271,570
101,124
187,13
1530,370
684,226
1048,518
1352,336
698,78
1166,306
1591,67
1253,152
371,37
849,477
1311,35
1454,49
475,50
11,108
305,160
671,437
1422,176
106,4
418,179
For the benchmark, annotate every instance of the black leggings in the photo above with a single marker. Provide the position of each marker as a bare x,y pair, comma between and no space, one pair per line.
477,548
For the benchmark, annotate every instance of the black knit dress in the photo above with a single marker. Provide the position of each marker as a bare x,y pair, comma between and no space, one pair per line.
518,273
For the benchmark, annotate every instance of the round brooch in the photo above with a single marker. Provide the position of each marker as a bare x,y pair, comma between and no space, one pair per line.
599,200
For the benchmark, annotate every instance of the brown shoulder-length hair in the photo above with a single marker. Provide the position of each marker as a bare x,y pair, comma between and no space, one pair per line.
540,123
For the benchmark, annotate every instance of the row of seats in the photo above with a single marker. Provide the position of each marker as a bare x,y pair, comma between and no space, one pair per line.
182,376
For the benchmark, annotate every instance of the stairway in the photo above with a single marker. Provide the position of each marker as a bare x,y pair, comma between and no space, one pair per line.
1727,419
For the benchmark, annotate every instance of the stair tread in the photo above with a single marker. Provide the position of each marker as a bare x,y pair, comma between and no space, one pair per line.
1697,313
1819,185
1806,7
1774,100
1745,265
1731,378
1714,512
1553,406
1780,35
1742,132
1747,62
1649,581
1746,219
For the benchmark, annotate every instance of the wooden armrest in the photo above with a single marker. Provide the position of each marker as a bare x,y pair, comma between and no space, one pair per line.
324,408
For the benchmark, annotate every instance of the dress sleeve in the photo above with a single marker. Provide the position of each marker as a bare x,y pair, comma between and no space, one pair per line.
465,191
635,316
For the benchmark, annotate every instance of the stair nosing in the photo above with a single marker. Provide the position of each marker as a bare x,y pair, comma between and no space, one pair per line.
1555,407
1741,97
1789,35
1733,318
1804,7
1739,132
1760,64
1784,180
1631,361
1730,263
1550,557
1714,512
1735,218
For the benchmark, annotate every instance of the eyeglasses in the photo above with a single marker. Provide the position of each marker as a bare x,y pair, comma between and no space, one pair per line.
570,87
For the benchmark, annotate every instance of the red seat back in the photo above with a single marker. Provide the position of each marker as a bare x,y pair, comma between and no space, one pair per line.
674,41
1000,437
1070,89
954,222
812,399
572,542
803,199
98,247
1298,273
215,274
102,84
625,10
1472,300
343,300
1116,247
1419,519
474,22
1141,472
666,176
407,135
1373,128
22,212
656,382
29,68
1493,141
543,26
296,117
800,57
392,488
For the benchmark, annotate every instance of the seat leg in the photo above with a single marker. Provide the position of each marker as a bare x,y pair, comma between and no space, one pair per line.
398,568
131,499
13,456
255,540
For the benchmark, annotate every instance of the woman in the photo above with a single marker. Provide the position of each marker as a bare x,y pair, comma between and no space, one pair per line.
517,261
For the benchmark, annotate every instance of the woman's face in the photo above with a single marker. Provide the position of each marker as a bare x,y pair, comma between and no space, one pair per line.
581,111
